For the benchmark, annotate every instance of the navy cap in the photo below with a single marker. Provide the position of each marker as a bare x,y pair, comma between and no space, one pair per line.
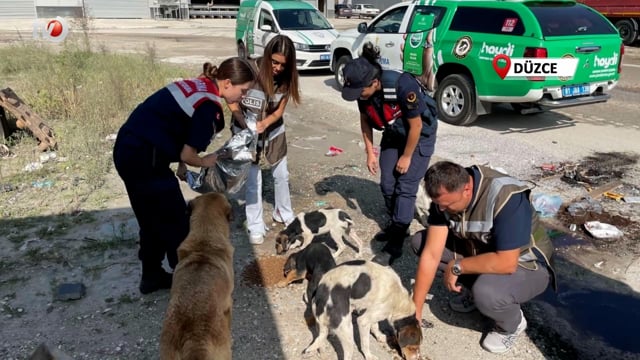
358,74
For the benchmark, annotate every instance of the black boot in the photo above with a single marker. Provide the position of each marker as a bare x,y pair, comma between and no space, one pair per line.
154,278
393,248
383,235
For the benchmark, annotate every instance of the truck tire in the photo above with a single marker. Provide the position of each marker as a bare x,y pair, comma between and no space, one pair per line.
242,50
342,61
627,30
456,98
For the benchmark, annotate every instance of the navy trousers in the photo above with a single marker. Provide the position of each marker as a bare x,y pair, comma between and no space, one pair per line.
399,190
156,200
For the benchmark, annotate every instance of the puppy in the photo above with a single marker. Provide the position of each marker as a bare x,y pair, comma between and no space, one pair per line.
197,323
310,263
375,293
301,231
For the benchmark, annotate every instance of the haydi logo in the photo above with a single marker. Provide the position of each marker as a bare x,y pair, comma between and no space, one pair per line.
520,68
495,49
55,30
606,62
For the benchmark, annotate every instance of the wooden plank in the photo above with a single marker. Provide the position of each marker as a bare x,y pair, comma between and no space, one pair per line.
26,118
597,192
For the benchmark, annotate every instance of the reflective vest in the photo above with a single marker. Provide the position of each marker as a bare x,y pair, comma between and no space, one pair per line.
190,93
474,225
389,117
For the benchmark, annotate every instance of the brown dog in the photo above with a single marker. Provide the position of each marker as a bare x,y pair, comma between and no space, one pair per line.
197,324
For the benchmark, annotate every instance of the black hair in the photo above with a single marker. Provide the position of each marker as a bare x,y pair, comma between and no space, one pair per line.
445,174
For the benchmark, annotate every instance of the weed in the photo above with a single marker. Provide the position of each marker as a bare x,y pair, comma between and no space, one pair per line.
126,299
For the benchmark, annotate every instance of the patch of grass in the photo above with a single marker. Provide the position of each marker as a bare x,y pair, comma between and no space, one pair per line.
126,299
84,96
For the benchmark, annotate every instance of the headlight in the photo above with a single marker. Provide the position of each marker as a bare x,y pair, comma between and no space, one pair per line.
301,47
327,47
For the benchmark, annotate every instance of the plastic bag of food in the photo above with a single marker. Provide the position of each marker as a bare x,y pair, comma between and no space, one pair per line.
232,168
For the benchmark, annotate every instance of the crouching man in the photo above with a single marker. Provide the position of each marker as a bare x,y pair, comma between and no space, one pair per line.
485,237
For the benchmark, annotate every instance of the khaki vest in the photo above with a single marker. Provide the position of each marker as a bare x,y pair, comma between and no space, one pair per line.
474,225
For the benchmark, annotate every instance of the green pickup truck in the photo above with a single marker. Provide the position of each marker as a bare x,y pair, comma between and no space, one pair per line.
468,34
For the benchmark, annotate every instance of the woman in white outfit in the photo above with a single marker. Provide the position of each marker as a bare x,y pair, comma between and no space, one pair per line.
263,108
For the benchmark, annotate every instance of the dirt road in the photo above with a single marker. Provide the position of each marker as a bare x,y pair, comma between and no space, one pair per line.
113,321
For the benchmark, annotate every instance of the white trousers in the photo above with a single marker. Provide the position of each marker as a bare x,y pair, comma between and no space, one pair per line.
282,210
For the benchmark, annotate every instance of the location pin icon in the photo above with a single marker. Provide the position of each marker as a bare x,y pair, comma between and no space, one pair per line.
501,71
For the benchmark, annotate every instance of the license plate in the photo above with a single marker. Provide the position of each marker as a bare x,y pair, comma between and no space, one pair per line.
575,90
324,57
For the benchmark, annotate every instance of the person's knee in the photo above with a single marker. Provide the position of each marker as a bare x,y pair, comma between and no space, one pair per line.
488,300
418,241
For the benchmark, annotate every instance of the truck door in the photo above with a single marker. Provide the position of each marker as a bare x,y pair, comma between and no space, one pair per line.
386,33
264,31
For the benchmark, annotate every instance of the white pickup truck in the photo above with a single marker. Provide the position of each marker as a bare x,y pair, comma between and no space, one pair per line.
364,10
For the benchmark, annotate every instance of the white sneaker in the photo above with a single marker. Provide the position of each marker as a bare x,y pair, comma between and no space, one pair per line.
499,341
278,218
256,239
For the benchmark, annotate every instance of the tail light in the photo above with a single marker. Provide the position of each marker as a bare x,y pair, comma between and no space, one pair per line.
532,52
620,61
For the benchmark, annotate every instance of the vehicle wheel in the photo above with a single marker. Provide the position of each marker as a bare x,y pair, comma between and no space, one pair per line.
242,50
456,98
627,31
342,61
348,17
518,107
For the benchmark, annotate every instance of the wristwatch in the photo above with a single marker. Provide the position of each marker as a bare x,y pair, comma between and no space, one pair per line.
456,269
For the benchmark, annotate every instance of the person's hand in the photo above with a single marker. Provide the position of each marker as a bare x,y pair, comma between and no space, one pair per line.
261,126
450,280
372,164
402,166
181,172
209,160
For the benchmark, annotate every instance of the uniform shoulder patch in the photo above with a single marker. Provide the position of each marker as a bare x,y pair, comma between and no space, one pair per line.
412,97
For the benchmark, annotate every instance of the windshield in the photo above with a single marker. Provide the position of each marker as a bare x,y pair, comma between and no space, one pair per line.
301,19
557,19
367,6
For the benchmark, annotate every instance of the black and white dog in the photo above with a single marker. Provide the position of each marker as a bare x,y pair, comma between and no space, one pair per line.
310,263
305,226
375,293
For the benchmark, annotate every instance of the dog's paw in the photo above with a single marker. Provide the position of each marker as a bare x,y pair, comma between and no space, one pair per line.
310,352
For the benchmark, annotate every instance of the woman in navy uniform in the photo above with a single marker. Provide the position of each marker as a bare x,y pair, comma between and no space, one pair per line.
174,124
395,103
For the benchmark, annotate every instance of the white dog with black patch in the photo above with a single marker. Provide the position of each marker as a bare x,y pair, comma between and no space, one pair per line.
375,293
307,225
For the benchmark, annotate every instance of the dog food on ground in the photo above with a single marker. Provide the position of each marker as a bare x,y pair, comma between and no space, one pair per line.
264,272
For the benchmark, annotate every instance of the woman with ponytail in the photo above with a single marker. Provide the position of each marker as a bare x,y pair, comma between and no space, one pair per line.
175,124
396,104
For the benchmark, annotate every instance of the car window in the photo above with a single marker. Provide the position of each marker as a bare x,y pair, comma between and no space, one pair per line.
436,11
367,6
557,19
301,19
389,22
265,19
488,21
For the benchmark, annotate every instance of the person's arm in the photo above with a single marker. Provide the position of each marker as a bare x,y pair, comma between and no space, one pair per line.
189,155
270,119
415,127
238,115
428,265
511,231
367,137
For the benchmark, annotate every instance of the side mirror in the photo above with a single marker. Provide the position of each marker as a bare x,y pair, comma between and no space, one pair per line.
266,28
362,27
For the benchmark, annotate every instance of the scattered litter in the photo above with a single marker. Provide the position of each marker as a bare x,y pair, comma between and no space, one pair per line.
426,324
321,203
547,205
612,195
573,227
40,184
312,138
111,137
70,291
584,206
334,151
6,187
548,167
33,166
51,155
632,199
303,147
602,230
599,264
5,152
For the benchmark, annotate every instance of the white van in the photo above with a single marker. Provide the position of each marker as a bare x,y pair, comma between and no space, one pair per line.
260,20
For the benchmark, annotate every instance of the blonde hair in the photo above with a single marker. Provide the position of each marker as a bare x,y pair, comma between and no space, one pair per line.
236,69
